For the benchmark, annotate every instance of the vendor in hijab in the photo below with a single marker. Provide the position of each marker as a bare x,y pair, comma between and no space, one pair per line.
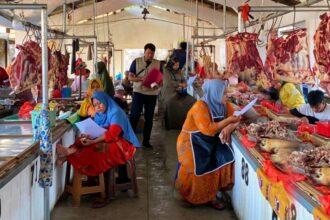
173,80
103,75
115,147
175,101
86,108
206,162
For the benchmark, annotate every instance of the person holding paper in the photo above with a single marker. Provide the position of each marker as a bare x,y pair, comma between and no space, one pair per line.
174,99
144,97
205,161
86,108
117,145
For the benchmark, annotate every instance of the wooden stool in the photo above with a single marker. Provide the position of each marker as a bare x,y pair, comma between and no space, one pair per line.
124,186
77,189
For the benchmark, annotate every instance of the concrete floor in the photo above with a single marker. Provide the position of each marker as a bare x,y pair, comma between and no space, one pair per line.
157,198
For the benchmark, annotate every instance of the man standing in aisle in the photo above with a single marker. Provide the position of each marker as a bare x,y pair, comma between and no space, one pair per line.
144,96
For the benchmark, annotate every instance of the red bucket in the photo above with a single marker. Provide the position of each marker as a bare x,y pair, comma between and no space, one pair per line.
323,128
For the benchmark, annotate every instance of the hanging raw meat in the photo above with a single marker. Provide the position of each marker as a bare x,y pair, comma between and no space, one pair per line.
243,58
322,52
25,71
292,59
271,61
62,76
53,68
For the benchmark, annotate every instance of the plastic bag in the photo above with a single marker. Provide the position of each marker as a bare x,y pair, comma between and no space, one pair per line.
24,111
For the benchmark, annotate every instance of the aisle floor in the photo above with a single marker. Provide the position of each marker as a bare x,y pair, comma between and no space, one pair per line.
157,197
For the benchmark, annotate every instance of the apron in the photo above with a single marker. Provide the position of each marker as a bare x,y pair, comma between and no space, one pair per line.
209,153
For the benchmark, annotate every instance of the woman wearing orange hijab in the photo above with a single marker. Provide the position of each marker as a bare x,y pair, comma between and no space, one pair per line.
86,107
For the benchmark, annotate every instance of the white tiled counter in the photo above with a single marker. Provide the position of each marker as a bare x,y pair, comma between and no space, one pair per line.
21,197
249,202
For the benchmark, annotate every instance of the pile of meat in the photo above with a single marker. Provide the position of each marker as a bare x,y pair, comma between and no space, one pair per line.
243,57
240,98
270,129
26,70
287,57
312,158
322,52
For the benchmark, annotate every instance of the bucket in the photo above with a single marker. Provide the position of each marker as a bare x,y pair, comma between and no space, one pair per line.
66,92
52,117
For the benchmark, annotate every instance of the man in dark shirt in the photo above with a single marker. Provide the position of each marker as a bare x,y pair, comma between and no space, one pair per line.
144,97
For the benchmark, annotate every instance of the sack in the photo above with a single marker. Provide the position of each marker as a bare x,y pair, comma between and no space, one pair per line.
182,92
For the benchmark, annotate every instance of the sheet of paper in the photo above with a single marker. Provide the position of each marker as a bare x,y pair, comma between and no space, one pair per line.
246,108
88,126
191,80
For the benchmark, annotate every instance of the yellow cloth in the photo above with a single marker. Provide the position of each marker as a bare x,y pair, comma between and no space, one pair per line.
200,189
319,214
290,96
277,196
86,107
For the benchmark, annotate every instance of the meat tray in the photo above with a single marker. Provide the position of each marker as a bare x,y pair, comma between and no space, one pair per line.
319,140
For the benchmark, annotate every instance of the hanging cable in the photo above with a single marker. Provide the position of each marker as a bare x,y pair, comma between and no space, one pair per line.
73,18
327,1
108,27
203,22
214,16
94,15
279,24
294,17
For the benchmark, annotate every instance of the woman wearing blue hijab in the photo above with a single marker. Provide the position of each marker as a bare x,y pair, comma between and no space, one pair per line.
117,145
205,163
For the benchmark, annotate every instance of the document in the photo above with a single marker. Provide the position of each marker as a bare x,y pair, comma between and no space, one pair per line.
88,126
246,108
191,80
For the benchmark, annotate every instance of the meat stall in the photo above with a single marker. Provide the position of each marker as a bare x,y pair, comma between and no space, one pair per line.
264,179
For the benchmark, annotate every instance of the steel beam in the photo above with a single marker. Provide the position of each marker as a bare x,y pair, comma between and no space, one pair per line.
23,6
72,37
287,8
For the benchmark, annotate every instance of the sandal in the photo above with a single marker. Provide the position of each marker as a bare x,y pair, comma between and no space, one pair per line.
99,203
218,205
